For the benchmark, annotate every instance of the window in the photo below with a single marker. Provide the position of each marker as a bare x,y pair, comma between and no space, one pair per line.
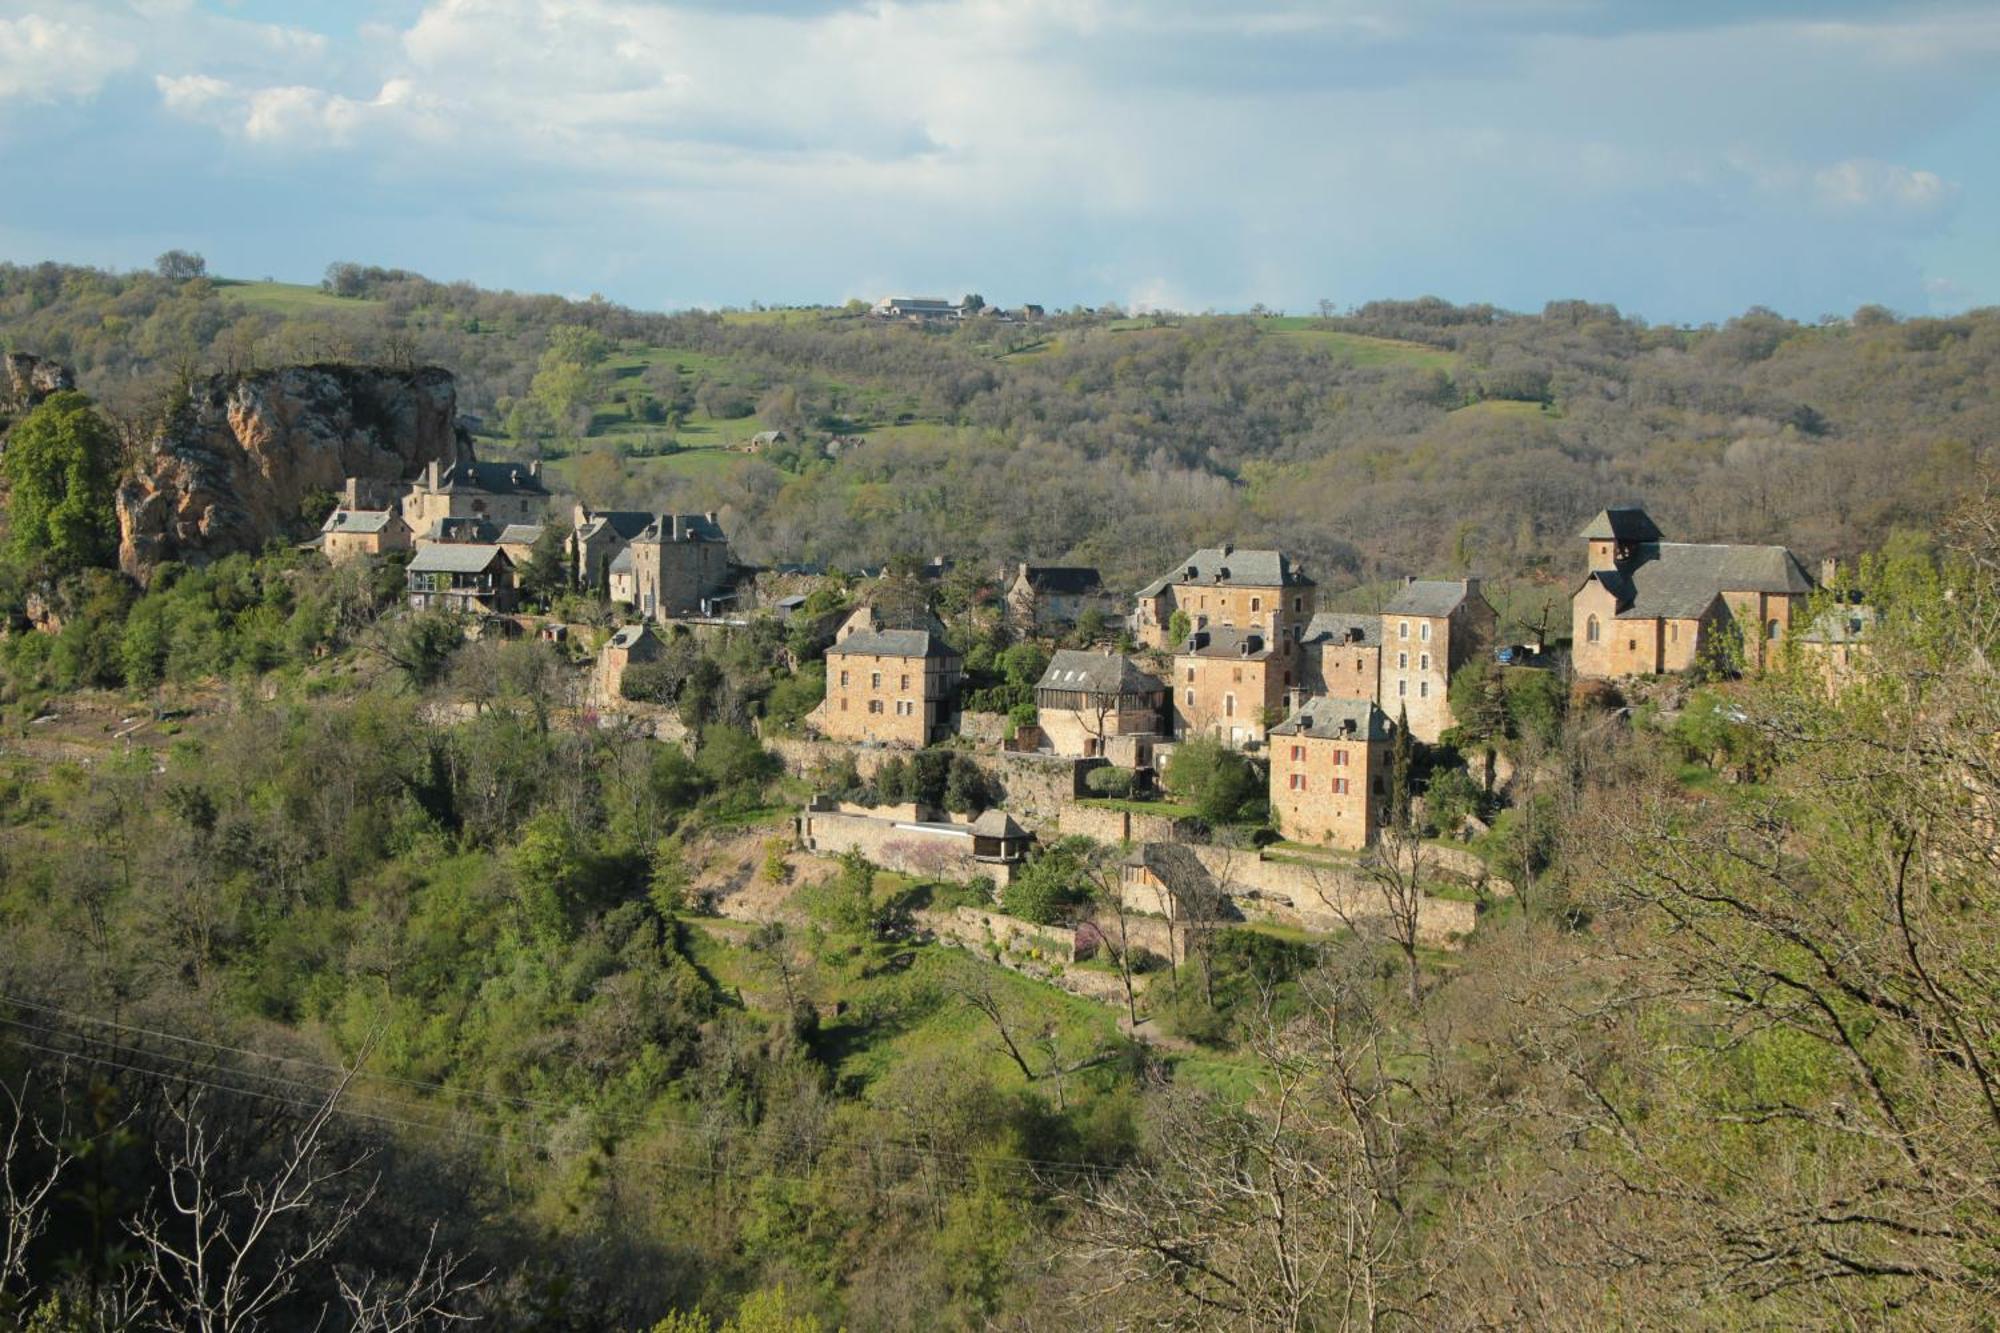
1424,631
1190,698
1402,661
1298,605
1298,782
1256,604
906,682
905,708
1340,786
843,678
1298,754
1402,688
1673,631
843,705
1229,705
1236,675
1340,758
1590,632
1772,630
1190,675
1357,664
874,705
1423,689
874,680
1402,629
1424,662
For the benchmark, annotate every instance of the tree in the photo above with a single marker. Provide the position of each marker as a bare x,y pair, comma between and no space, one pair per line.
421,645
1052,883
181,266
60,464
545,576
1220,783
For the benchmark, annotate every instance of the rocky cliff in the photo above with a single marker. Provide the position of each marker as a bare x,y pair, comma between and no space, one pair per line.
230,470
25,380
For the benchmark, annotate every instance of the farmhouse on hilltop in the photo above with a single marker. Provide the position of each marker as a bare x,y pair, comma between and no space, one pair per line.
1648,605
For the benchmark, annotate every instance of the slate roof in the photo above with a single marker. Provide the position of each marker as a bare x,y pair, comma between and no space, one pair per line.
1228,567
358,520
1069,580
892,643
625,524
1333,627
682,528
1225,641
622,562
1427,597
997,824
456,558
521,534
1097,673
630,635
1324,717
1678,580
1623,523
493,478
460,528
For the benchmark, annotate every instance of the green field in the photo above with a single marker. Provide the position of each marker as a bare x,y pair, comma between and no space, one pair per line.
1357,349
289,299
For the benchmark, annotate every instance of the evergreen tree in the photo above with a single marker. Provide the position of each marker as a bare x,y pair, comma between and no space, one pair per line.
59,465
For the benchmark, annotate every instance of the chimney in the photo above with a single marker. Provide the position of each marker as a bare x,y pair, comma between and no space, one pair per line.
352,499
1471,588
535,468
1829,572
578,516
431,475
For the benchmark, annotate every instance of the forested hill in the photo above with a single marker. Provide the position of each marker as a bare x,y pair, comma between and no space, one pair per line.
1401,437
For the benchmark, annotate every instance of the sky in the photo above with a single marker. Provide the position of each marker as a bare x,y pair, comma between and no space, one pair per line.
1683,159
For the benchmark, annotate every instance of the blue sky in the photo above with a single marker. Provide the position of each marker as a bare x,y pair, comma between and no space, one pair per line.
1684,160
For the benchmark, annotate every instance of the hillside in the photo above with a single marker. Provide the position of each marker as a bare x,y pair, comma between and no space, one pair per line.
1399,437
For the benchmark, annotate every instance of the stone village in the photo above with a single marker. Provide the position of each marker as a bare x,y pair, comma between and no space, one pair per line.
1229,644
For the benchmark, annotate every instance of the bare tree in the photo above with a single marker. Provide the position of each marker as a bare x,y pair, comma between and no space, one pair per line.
1398,869
25,1187
982,999
429,1298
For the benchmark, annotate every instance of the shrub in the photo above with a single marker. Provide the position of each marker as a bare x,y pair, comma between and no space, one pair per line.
1112,782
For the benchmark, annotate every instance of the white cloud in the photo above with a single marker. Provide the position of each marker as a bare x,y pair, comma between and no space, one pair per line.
1859,185
43,58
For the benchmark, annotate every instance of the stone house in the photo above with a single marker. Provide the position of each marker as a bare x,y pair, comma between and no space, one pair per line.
888,686
1648,606
1343,655
1232,589
497,492
1329,772
469,578
1085,701
1043,599
518,541
631,644
352,534
1836,645
679,564
1231,684
596,537
1430,628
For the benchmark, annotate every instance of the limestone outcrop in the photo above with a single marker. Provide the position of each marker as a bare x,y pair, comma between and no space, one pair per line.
231,470
28,379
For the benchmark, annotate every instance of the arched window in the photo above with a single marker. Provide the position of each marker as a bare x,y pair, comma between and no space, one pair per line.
1590,630
1771,631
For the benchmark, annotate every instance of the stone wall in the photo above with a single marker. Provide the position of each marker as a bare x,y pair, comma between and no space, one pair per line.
1116,826
902,845
1324,896
1042,952
1039,788
982,728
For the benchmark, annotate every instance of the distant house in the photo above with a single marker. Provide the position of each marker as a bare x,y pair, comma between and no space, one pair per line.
352,534
498,492
1029,312
1343,655
1043,598
1329,767
1836,643
917,309
1231,684
887,685
1085,702
1648,605
1231,588
470,578
518,541
621,583
678,566
763,440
